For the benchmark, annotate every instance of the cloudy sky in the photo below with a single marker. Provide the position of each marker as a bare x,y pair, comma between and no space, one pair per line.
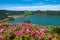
29,4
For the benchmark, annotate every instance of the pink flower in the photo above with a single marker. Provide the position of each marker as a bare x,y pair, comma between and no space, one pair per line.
42,31
17,33
50,36
1,30
37,32
1,38
27,27
20,23
37,35
35,29
0,24
22,31
13,26
27,31
34,24
32,33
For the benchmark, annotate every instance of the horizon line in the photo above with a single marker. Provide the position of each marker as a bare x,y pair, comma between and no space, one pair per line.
31,8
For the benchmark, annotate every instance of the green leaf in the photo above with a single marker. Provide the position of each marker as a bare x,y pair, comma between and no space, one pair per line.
54,39
17,38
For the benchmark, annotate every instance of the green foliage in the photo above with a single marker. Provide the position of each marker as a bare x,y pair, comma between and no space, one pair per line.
12,37
27,21
17,38
5,13
26,13
54,39
55,30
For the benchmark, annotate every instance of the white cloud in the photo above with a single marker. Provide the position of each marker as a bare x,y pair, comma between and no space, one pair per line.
44,7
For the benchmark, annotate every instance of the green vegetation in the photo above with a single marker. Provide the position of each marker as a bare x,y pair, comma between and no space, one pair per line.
27,21
26,13
7,14
26,31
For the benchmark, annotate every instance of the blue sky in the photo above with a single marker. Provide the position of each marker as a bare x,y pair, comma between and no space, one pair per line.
30,4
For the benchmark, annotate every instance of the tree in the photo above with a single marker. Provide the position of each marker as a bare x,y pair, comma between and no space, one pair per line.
27,13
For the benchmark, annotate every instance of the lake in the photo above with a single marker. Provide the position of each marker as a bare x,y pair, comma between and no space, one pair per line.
40,20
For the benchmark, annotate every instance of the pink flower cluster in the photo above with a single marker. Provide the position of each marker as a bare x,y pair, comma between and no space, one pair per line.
0,23
1,30
17,33
50,36
42,31
26,28
22,28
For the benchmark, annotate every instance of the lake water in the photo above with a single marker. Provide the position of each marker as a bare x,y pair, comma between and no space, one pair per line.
41,20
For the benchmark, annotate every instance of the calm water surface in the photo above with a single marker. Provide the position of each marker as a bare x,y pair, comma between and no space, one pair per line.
41,20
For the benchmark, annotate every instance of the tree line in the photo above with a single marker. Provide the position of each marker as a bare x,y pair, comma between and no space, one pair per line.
5,13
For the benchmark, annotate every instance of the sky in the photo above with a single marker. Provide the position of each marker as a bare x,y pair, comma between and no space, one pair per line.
29,4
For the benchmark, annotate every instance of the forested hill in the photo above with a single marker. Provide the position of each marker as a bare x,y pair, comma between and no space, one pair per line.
9,12
6,13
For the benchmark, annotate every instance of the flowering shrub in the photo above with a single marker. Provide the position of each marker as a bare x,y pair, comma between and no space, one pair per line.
1,30
26,31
